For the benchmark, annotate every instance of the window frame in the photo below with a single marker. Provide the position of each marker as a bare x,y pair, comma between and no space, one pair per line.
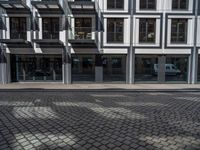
115,30
115,5
178,31
179,6
147,6
146,21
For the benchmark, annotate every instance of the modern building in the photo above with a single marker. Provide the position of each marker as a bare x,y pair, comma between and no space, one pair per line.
100,41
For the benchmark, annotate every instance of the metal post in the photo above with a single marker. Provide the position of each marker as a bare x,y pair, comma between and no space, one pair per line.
194,55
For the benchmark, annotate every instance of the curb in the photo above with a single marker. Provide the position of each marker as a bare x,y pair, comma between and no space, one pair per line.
100,90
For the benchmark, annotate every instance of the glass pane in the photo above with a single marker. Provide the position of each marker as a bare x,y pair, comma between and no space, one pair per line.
38,68
115,30
199,69
18,28
146,68
83,68
114,68
176,69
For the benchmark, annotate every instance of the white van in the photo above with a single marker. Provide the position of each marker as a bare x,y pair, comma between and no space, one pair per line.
170,69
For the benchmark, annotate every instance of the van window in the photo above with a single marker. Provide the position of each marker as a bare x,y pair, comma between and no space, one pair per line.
167,68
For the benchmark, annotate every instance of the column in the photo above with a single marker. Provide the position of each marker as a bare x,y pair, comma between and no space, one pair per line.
130,63
161,68
3,68
194,54
66,66
98,69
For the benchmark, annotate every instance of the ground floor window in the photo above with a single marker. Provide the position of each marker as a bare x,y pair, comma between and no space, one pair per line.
114,68
168,68
198,77
146,68
83,68
36,67
176,68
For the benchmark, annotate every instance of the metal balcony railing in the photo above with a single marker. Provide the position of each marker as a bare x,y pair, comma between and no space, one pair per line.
84,35
18,35
81,33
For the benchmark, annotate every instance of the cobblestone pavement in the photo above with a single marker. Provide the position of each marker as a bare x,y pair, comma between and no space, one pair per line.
99,121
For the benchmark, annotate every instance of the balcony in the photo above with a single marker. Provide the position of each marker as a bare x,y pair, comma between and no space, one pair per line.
50,6
83,6
17,39
83,37
12,6
49,40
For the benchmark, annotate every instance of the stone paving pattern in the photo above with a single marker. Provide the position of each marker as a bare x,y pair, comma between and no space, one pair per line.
99,121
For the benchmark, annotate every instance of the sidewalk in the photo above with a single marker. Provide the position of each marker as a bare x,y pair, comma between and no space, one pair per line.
98,87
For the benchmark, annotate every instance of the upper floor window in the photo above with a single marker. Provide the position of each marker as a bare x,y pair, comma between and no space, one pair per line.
179,30
147,30
115,4
83,28
179,4
18,28
147,4
51,28
115,30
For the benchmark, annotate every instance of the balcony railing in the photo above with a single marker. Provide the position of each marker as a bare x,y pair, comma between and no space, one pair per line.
50,35
81,33
18,35
81,37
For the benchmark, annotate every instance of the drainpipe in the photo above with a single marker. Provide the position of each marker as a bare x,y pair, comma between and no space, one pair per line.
194,56
131,52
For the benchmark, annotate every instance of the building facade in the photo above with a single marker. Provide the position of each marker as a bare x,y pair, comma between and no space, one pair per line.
100,41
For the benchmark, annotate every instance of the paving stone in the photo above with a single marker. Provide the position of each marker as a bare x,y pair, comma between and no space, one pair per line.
75,120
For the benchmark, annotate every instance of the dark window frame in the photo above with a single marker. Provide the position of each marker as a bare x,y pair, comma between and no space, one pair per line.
178,5
177,34
21,30
144,38
115,31
146,3
51,33
115,5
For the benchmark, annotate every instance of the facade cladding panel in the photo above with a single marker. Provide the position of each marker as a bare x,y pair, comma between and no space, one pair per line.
116,41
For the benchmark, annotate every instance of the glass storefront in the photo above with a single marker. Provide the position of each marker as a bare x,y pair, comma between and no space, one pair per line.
176,69
36,67
114,68
83,68
198,77
146,68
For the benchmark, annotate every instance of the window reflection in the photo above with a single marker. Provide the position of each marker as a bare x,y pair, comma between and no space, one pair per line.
146,68
176,68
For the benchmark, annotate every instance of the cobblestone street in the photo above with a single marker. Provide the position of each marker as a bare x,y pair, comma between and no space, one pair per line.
100,120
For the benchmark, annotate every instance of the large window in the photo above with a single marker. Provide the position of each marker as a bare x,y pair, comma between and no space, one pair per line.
83,68
115,30
179,4
146,68
18,28
176,68
147,30
147,4
83,28
36,67
199,69
179,30
114,68
115,4
50,28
